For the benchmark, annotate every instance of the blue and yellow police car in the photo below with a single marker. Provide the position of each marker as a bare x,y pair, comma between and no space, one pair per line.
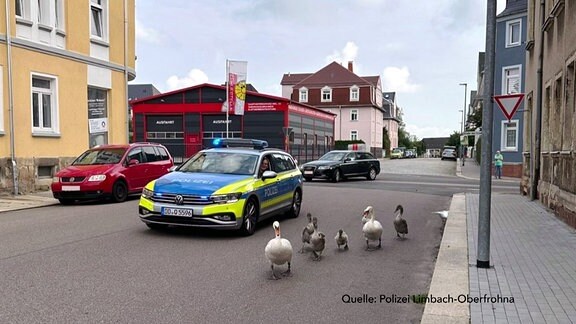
233,185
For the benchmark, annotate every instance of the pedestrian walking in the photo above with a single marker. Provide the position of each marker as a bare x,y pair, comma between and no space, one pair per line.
498,161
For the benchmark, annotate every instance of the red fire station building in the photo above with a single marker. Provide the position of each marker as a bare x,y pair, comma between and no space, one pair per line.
187,120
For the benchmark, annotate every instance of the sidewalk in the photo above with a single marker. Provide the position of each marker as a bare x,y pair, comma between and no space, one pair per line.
532,274
10,202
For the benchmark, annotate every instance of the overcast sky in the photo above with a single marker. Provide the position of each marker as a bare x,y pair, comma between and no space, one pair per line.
421,49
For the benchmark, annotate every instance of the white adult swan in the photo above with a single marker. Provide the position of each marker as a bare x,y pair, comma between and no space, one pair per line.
278,251
372,229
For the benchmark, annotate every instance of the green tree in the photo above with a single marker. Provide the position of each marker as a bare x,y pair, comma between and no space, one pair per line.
454,139
386,141
474,120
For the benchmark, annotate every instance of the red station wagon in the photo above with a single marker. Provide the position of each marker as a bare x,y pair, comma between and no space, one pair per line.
111,171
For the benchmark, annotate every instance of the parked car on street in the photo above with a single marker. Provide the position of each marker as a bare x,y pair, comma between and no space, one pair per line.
396,154
410,153
449,153
233,185
339,164
111,171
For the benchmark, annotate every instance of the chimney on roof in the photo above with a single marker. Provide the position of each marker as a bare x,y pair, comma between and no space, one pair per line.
351,66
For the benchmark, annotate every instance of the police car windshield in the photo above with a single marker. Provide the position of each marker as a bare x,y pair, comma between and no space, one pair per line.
221,162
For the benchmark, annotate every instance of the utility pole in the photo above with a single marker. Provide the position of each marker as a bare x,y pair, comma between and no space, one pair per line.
483,252
464,115
536,145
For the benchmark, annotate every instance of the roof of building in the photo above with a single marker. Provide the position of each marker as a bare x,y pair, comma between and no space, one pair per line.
249,95
333,74
293,78
137,91
435,142
514,7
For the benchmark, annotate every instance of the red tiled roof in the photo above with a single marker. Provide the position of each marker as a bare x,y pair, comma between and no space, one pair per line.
333,75
294,78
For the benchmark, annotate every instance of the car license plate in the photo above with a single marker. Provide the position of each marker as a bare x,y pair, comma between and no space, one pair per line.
70,188
182,212
308,172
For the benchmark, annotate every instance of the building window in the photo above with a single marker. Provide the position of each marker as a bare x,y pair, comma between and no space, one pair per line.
98,18
45,171
510,135
303,95
511,79
44,12
354,93
58,14
44,105
354,114
513,32
354,135
22,9
326,94
19,8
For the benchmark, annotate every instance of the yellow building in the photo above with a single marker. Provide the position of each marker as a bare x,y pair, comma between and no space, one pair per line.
65,65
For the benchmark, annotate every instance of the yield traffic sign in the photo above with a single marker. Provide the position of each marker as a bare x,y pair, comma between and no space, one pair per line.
509,103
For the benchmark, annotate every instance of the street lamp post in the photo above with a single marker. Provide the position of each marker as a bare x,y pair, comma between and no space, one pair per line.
463,120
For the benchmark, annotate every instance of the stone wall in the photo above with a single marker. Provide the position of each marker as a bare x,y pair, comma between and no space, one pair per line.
557,186
27,175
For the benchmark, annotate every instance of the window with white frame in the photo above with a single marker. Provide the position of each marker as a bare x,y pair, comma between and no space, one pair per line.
354,114
59,14
98,18
353,135
22,9
44,12
326,94
513,32
44,104
19,8
354,93
303,95
511,79
509,135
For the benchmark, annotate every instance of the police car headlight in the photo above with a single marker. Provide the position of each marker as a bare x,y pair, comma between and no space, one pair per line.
227,198
147,193
97,177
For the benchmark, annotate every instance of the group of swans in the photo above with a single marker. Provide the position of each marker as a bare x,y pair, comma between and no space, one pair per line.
279,250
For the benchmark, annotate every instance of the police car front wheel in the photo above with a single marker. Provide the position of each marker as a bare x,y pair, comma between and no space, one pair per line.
249,218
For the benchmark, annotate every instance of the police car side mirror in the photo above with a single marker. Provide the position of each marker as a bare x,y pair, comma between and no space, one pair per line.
269,175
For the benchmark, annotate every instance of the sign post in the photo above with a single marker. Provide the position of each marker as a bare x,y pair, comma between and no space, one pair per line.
509,103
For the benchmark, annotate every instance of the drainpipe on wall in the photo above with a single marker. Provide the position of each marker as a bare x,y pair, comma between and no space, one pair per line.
11,101
126,71
535,165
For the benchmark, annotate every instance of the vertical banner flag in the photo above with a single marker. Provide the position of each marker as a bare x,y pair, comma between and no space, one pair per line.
237,86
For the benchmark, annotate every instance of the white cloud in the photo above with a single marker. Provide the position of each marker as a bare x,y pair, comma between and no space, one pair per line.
428,131
348,53
194,77
146,34
397,80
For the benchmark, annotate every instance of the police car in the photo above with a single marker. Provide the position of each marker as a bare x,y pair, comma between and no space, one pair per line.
224,187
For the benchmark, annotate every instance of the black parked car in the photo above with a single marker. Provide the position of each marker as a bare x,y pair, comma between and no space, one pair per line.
336,165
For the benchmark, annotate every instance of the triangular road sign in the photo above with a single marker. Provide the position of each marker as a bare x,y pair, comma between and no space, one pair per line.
509,103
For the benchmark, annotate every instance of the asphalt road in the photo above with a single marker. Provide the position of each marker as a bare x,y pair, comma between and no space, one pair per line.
97,262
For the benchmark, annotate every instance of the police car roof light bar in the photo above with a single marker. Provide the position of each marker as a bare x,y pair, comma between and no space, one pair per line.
240,142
